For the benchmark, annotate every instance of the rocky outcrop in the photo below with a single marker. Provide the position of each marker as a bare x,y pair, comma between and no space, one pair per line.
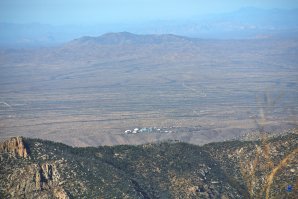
15,146
46,176
26,177
36,181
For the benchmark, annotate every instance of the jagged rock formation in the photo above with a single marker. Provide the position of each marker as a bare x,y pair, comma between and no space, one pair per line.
265,168
27,179
15,146
35,181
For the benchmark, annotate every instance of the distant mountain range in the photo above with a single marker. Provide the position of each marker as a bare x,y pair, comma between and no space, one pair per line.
130,38
145,81
243,23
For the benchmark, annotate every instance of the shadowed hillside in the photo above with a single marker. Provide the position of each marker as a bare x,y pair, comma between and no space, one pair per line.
264,168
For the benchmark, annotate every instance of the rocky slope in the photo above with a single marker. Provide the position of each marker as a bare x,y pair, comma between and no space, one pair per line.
265,168
15,147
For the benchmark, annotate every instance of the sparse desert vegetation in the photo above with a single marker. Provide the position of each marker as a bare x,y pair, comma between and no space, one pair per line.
89,91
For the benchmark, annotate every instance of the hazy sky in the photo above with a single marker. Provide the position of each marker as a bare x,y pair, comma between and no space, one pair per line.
118,11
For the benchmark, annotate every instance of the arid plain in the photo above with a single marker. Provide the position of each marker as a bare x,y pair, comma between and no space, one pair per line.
90,90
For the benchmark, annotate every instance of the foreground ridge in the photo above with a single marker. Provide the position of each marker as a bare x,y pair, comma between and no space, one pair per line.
266,168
